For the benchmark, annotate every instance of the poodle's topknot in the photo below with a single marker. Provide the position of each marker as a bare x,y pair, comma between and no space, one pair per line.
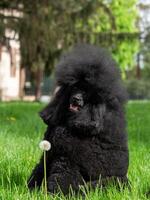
93,65
86,62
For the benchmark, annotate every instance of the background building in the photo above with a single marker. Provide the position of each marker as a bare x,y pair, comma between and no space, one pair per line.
9,63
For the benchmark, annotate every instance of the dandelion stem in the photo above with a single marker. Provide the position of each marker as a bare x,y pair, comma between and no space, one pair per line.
45,182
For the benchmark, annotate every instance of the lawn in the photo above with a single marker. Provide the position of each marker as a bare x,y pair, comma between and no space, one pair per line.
21,131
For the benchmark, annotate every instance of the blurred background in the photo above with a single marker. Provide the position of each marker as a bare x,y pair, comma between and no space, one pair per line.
33,35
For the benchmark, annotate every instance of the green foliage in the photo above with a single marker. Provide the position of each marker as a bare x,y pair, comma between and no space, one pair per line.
146,71
125,53
117,21
48,27
22,130
125,13
138,89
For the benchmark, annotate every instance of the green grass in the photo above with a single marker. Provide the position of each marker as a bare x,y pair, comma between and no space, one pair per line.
21,131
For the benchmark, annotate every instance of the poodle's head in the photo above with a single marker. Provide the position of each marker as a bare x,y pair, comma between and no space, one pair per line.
85,108
89,84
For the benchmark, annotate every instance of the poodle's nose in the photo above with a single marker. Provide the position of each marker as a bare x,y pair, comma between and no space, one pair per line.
77,99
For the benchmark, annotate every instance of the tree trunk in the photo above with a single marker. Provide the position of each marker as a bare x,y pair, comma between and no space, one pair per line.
22,82
138,69
38,75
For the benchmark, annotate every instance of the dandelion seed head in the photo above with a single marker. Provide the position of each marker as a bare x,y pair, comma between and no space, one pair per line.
45,145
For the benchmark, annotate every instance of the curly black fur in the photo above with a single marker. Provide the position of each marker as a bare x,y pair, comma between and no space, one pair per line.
86,123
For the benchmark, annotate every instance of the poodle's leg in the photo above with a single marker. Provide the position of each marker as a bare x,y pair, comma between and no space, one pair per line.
36,177
64,176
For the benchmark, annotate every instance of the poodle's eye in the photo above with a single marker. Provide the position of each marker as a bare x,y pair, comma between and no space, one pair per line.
72,80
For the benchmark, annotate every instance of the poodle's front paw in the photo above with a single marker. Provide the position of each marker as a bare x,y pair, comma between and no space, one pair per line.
52,187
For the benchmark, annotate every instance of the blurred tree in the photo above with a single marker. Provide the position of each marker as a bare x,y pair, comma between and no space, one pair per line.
146,55
126,17
47,27
111,24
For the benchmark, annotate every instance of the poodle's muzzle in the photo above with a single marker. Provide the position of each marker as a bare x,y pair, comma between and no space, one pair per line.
76,102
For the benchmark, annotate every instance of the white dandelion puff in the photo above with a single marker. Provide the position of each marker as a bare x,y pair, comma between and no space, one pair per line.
45,145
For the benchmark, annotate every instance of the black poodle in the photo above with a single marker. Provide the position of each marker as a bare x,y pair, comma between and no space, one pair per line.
86,123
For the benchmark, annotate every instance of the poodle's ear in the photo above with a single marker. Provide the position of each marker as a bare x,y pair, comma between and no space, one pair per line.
52,113
47,112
